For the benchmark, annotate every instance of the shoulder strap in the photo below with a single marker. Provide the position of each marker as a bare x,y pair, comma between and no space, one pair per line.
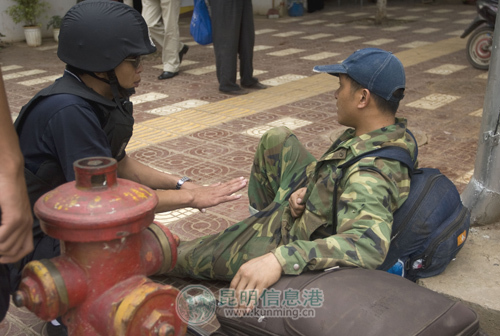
389,152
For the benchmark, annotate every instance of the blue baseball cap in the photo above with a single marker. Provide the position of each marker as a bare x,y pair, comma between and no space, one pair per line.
375,69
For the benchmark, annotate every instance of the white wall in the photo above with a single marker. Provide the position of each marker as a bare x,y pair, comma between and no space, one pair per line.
14,32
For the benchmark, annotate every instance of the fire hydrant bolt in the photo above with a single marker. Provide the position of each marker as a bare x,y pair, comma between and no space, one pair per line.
166,330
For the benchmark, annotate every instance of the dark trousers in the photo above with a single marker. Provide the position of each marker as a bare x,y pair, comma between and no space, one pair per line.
233,34
45,247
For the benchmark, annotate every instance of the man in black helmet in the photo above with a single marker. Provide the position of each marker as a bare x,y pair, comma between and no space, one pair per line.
87,113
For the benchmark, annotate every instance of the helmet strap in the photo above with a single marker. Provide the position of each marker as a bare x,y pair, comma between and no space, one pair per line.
120,95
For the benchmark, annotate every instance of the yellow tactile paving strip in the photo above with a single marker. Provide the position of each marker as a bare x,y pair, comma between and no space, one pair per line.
196,119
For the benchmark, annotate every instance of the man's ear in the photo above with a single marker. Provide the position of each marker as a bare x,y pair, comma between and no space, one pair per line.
364,97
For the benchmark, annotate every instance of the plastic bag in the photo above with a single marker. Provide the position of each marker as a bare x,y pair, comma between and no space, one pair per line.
201,25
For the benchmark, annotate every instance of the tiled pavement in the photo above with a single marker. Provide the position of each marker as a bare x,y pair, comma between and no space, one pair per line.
186,126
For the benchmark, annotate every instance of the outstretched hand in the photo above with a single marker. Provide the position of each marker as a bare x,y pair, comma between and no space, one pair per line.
296,202
212,195
255,275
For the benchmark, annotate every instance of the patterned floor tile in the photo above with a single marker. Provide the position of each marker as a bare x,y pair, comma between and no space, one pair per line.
288,34
483,76
433,101
184,63
416,9
465,178
202,70
442,11
361,27
395,28
313,22
264,31
210,172
257,131
446,69
347,39
477,113
190,103
426,30
290,20
240,160
147,97
291,123
23,74
414,44
41,80
455,33
463,22
320,56
45,48
316,36
468,12
261,47
436,19
199,225
10,68
181,144
409,18
165,218
379,42
209,151
150,154
165,110
282,79
255,73
356,14
334,25
335,13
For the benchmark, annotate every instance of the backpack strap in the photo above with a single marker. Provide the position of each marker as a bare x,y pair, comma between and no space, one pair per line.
389,152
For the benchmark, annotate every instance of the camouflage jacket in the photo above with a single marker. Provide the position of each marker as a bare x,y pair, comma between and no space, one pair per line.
368,194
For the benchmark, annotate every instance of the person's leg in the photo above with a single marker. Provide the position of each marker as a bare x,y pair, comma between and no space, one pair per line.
246,44
151,11
170,10
219,256
4,291
279,168
226,21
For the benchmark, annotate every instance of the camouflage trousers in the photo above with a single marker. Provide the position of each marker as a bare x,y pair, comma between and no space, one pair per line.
278,170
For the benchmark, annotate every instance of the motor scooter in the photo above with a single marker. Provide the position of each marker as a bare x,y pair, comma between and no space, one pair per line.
479,45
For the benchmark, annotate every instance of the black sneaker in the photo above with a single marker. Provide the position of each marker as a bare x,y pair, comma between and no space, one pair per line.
52,330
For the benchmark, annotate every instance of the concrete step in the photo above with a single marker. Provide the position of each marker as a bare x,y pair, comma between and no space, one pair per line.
474,277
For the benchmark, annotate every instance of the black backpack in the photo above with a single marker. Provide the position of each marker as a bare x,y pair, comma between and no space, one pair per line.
430,227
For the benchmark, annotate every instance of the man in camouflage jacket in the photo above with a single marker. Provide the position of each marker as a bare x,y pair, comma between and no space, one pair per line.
293,229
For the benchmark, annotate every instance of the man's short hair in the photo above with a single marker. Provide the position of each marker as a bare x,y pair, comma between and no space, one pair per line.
384,105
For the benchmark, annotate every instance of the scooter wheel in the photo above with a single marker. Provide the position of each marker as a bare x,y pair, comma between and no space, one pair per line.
479,48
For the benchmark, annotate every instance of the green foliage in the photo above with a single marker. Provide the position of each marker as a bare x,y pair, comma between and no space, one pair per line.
55,22
27,11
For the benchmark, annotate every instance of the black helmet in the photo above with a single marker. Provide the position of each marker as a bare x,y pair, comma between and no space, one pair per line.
97,35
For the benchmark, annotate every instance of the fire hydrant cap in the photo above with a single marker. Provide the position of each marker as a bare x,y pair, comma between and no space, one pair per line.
97,206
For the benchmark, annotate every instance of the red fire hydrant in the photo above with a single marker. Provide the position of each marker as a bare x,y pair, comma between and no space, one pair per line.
99,283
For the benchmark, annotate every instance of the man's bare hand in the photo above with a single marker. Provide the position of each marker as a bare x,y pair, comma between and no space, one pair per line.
212,195
296,202
256,275
16,239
